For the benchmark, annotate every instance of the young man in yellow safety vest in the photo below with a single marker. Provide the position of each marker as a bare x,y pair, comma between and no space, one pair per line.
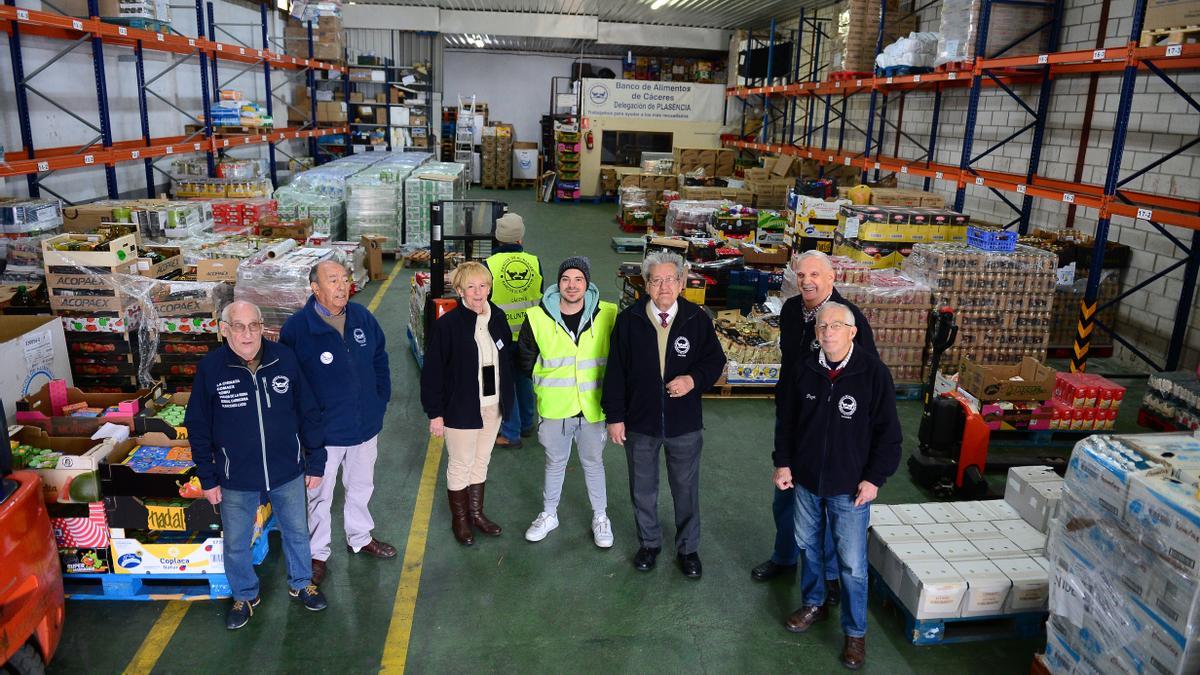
516,287
564,346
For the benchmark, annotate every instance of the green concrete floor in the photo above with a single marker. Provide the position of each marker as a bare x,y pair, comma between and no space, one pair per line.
562,604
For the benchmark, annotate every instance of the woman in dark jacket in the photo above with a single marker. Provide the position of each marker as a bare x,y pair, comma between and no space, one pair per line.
466,390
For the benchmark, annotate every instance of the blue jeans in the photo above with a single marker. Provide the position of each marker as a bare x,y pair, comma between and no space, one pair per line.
815,517
787,551
524,411
289,504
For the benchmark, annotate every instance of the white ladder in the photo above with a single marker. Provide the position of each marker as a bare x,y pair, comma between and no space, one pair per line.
464,131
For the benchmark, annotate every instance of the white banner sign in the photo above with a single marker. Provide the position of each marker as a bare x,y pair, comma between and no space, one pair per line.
638,99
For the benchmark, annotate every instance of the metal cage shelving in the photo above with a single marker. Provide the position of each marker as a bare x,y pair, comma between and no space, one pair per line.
1000,72
104,151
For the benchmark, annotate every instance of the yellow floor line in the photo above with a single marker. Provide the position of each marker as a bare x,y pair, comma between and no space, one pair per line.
156,640
168,622
395,650
384,288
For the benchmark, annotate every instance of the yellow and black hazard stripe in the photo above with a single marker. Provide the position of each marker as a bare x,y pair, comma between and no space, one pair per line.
1083,335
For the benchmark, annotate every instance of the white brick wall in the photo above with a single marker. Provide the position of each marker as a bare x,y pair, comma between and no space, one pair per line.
1160,122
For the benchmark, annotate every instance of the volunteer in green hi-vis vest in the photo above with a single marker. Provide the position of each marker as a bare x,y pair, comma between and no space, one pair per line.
516,287
564,345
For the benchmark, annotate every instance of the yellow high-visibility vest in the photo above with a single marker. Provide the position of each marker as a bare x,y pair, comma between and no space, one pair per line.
516,285
567,377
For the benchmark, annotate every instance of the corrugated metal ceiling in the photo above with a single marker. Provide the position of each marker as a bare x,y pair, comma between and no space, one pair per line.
561,46
726,14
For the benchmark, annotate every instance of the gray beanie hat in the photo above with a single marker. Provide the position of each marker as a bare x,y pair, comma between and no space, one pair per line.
510,228
577,262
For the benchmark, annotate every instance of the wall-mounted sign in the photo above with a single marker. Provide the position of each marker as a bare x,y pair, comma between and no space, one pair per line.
638,99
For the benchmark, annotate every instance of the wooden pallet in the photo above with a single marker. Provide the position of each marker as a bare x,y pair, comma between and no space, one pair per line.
723,389
922,632
1170,36
951,66
909,391
229,132
847,75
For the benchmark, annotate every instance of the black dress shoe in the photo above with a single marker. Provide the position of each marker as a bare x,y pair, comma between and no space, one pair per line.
645,558
689,564
771,569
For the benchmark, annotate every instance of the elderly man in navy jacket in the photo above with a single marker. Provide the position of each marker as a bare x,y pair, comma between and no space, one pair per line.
255,428
663,356
341,350
837,439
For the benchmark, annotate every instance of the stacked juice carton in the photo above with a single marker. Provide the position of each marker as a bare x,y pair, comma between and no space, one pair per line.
969,559
1083,401
1125,558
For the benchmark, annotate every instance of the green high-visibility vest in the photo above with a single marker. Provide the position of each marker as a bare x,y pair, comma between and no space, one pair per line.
567,377
516,285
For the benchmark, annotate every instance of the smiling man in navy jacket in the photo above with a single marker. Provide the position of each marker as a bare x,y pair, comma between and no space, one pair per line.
837,439
341,349
255,427
663,356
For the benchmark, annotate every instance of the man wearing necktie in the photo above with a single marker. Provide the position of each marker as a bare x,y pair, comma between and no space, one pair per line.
663,356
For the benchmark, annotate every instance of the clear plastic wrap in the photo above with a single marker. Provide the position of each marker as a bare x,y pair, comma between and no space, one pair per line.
897,308
917,50
1175,397
687,217
1123,548
857,32
959,30
425,185
276,279
24,224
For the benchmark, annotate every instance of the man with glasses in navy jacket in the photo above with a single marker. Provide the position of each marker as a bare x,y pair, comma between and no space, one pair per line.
255,428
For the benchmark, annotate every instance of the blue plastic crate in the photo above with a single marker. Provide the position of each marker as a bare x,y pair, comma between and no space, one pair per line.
991,240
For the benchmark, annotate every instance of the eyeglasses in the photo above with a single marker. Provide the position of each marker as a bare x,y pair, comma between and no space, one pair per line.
239,328
833,325
661,281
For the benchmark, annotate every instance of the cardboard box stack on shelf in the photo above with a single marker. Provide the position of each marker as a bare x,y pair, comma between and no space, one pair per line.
329,39
1002,301
157,10
1124,555
968,559
857,33
497,169
898,310
1008,30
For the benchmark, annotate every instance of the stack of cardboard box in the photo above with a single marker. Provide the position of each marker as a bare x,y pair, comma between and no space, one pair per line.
497,155
714,161
328,39
858,33
770,191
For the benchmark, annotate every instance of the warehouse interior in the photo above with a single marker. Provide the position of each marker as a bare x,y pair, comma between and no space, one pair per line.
1027,171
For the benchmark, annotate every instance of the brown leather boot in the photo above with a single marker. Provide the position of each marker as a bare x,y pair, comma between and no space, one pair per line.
459,521
480,521
803,618
854,652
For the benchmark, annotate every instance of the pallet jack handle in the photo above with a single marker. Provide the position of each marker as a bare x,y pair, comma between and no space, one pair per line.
943,335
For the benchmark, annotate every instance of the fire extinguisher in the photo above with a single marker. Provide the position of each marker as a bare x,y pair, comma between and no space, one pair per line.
589,140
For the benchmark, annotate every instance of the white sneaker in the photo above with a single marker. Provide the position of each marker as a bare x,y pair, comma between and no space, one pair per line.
542,525
602,531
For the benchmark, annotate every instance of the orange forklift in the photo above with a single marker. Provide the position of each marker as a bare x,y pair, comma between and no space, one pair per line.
31,586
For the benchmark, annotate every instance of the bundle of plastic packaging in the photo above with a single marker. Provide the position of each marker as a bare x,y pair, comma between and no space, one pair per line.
918,50
1123,550
687,217
425,185
276,279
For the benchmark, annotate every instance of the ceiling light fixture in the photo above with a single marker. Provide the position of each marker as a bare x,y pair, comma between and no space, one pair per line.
658,3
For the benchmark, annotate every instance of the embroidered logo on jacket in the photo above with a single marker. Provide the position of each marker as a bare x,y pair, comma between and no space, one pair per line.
847,406
360,337
280,384
682,346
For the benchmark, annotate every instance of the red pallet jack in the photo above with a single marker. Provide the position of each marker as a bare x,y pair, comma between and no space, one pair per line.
952,455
